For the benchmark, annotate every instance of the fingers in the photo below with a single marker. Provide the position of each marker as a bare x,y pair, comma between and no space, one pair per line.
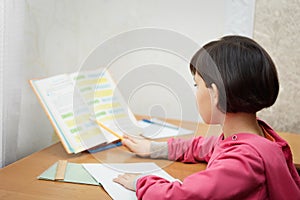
128,143
121,176
127,180
125,177
119,179
126,137
131,143
140,147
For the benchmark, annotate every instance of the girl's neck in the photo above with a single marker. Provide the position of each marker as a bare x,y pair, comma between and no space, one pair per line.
241,123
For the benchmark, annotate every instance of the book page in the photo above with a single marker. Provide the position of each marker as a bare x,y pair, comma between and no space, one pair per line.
73,102
62,101
106,104
105,173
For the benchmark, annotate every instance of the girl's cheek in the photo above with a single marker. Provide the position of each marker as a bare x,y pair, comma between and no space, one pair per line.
202,110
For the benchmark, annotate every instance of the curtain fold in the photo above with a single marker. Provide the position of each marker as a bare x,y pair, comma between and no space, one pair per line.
1,80
12,63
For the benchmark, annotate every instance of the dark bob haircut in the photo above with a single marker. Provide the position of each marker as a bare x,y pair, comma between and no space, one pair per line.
242,70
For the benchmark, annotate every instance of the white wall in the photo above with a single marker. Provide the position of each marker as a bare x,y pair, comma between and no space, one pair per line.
61,35
277,30
194,21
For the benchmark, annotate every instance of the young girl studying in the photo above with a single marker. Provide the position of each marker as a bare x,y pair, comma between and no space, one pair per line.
235,78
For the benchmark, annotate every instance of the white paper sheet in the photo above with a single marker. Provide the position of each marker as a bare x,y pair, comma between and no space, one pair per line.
105,173
155,130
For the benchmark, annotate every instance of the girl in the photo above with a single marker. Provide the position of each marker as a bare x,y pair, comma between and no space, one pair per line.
235,78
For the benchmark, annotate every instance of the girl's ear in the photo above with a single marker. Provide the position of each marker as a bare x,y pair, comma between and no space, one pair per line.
217,115
214,94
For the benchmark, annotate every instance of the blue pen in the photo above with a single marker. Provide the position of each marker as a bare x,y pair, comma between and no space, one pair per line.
160,124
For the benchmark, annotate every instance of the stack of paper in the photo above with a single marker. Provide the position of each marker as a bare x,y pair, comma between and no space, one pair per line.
75,173
105,173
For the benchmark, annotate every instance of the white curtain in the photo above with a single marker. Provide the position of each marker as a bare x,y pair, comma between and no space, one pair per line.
239,17
11,66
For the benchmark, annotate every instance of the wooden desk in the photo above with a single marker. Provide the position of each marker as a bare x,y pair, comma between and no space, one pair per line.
18,180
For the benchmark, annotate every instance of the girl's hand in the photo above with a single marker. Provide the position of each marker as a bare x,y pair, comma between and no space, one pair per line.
140,147
127,180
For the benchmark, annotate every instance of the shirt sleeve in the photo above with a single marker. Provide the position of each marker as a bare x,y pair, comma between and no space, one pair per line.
192,150
159,150
235,174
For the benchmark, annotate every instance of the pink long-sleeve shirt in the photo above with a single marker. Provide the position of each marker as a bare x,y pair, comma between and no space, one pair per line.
244,166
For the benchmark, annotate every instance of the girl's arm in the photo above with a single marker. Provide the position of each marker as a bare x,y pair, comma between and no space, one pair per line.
236,174
192,150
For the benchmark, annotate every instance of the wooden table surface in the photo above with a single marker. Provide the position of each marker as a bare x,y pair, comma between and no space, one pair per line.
19,180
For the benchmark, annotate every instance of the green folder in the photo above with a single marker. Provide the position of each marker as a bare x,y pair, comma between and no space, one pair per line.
75,173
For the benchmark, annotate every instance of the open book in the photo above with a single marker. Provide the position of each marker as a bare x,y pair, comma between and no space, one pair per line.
73,103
